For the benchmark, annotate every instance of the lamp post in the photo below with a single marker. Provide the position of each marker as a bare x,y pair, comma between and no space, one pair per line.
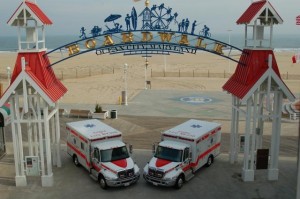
146,66
8,74
124,93
229,37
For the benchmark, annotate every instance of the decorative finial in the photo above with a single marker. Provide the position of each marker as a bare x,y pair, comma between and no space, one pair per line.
147,2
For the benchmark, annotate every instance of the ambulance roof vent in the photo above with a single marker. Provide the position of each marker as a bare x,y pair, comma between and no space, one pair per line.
196,126
89,125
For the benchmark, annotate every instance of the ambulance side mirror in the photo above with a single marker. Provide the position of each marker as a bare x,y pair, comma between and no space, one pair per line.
190,156
130,148
153,149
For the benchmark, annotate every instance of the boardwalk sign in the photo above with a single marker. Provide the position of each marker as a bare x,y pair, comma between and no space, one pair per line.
157,29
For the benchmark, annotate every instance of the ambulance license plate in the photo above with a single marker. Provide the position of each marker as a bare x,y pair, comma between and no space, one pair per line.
154,183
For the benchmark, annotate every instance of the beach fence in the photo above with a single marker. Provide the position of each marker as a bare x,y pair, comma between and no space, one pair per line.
88,71
207,73
80,72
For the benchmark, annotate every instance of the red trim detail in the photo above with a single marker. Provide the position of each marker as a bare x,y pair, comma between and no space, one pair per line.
187,167
207,152
78,152
74,132
83,139
106,167
97,139
113,136
186,139
120,163
96,167
170,136
161,162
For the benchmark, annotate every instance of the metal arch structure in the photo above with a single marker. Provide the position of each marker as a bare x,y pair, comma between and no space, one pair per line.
154,37
146,43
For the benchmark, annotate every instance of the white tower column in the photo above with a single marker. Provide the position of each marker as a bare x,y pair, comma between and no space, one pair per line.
17,142
248,171
234,139
273,170
57,141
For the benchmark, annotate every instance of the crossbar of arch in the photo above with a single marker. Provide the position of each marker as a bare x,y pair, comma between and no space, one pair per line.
147,43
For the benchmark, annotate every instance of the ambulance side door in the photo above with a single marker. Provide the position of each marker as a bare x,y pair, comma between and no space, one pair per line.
186,159
96,159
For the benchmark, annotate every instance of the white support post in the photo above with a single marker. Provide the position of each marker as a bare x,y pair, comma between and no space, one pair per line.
47,180
269,84
53,139
25,97
36,142
37,36
17,142
30,143
44,37
20,179
41,141
234,132
253,143
260,122
247,174
237,102
273,170
57,127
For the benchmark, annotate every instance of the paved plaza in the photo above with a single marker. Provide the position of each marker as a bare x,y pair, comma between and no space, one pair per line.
157,110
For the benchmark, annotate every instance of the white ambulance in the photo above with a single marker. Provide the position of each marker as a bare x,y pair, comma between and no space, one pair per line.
183,150
99,149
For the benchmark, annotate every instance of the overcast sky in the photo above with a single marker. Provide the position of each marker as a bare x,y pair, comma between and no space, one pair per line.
68,16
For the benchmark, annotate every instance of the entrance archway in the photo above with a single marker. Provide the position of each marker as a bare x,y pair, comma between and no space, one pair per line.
35,89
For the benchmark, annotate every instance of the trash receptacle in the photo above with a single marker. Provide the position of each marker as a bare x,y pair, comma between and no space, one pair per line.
113,114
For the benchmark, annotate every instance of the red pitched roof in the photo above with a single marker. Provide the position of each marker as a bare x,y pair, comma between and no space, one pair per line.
245,76
252,10
37,68
35,9
39,13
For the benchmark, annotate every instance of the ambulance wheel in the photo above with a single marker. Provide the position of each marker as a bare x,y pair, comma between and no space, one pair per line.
179,182
210,160
76,161
102,182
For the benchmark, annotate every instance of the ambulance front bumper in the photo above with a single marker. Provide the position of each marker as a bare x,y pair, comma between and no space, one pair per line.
123,182
159,181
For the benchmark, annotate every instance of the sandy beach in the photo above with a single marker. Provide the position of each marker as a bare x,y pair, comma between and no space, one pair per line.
94,79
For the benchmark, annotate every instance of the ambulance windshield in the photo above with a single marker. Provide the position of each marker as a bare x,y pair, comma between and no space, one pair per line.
114,154
170,154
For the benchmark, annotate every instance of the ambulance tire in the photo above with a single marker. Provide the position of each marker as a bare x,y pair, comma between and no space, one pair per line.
76,161
179,182
102,182
210,160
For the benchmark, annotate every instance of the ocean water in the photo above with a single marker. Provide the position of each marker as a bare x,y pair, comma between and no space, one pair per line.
281,42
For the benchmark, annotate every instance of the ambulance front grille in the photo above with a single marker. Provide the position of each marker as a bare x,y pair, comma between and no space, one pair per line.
155,173
126,173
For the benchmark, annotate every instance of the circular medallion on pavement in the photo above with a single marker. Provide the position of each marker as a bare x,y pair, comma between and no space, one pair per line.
196,100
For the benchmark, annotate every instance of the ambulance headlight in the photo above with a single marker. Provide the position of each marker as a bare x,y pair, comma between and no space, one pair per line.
171,178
